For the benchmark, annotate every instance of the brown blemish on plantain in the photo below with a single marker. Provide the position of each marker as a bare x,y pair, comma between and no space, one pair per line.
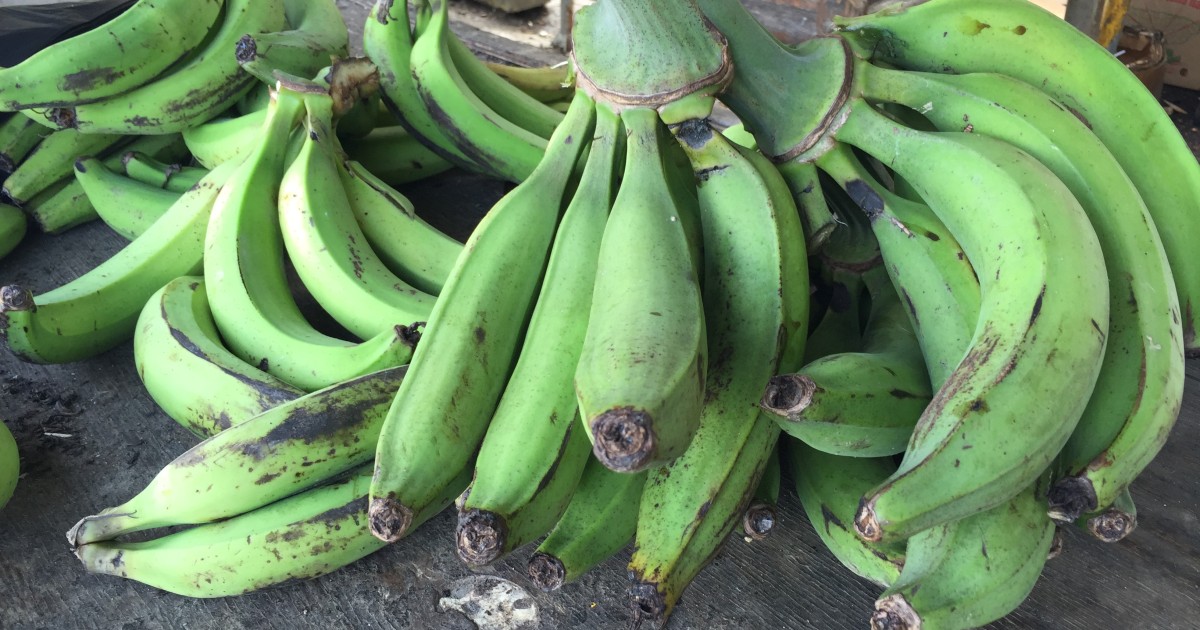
562,449
63,117
356,262
978,406
335,420
865,522
1037,307
975,27
901,394
866,198
303,424
912,309
830,518
1083,119
270,396
89,78
461,141
977,356
695,133
222,92
411,334
1019,29
1069,498
480,335
385,7
267,478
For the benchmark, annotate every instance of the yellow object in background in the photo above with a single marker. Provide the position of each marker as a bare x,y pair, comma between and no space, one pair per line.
1112,18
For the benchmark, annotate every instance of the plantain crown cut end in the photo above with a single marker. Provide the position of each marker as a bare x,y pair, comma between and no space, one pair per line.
671,59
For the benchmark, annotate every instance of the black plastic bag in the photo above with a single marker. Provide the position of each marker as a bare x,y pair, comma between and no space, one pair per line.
26,29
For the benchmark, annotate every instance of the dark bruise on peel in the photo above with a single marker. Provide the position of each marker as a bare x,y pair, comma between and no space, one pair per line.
246,49
267,393
695,133
830,518
624,438
865,523
481,537
340,417
63,117
221,93
1069,498
977,356
89,78
1037,307
410,334
866,198
558,457
462,141
333,517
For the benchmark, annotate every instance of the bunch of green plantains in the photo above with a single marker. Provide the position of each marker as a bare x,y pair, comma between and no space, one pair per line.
928,255
135,82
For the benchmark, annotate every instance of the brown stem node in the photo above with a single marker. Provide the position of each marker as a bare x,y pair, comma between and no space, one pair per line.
759,520
624,439
787,395
895,613
481,536
1112,525
246,49
649,604
16,298
1070,498
546,572
389,519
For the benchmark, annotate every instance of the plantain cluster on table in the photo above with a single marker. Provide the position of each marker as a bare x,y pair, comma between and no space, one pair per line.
935,280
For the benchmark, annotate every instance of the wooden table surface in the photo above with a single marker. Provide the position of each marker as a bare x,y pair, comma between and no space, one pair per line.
90,437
